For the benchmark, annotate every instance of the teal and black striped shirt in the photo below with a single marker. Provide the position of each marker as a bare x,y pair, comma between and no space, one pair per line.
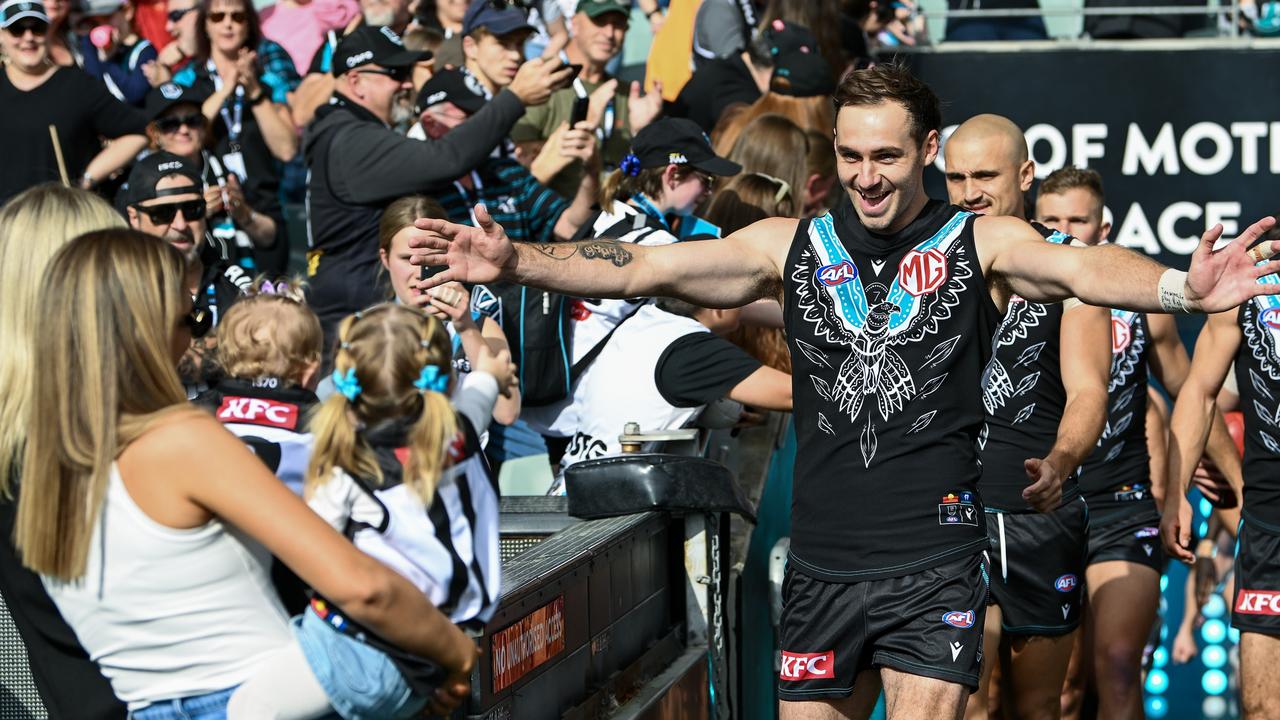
526,209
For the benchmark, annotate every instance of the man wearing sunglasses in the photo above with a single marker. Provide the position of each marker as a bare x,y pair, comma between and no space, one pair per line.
358,163
165,197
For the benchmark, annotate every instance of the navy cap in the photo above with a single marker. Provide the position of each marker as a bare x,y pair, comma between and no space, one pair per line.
677,141
14,10
148,171
499,17
453,86
368,45
167,95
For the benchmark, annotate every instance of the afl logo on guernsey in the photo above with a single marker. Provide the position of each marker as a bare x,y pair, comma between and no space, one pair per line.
920,273
1269,318
1120,335
837,274
1065,583
955,618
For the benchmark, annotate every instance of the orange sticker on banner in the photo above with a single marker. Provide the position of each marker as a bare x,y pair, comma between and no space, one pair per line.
531,641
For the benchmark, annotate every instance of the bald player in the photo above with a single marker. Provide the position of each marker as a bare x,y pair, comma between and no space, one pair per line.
1045,392
1124,558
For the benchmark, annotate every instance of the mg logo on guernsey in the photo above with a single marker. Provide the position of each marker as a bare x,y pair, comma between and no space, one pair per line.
258,412
808,666
837,274
1120,335
1258,602
920,273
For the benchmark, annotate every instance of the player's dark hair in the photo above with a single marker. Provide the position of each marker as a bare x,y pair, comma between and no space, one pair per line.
1070,178
892,82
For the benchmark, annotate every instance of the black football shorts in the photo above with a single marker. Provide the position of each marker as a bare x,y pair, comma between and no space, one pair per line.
1037,568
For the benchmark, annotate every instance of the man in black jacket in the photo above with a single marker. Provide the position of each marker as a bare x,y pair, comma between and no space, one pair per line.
358,164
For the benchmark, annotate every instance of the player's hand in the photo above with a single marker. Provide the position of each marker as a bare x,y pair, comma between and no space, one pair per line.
1221,279
1213,485
474,254
537,79
1045,491
1175,527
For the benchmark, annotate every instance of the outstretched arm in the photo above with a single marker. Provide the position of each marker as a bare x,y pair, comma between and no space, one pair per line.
1189,427
724,273
1113,276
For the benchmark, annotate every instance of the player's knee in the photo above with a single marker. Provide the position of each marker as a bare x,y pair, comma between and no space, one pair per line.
1038,705
1119,661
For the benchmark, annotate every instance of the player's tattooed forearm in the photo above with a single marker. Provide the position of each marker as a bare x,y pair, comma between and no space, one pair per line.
610,250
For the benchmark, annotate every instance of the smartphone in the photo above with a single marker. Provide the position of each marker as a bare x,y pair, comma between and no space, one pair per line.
429,271
579,112
576,68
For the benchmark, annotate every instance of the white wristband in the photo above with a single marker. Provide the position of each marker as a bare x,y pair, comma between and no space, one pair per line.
1171,291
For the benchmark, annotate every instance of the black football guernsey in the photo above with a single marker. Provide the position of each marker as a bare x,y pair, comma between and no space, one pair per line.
1258,377
1024,397
1116,478
888,336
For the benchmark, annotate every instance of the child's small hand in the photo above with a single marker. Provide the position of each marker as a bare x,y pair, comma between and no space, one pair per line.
499,365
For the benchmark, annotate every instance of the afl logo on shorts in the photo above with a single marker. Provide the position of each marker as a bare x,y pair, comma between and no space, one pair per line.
920,273
1269,319
1120,335
837,274
955,618
1066,583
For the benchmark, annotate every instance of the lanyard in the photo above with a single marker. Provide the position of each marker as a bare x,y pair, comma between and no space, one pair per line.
478,186
649,209
234,120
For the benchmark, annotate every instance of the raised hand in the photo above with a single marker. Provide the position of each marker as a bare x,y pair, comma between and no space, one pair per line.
1222,279
1045,491
643,109
474,254
537,79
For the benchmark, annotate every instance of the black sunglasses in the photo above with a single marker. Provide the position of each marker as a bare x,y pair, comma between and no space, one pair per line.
173,123
400,74
199,321
237,17
176,15
36,27
164,214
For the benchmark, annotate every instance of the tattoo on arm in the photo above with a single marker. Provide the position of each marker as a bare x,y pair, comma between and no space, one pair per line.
198,364
611,250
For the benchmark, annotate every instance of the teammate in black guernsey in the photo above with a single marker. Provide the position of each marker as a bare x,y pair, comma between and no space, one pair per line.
1123,554
1045,393
1249,338
890,304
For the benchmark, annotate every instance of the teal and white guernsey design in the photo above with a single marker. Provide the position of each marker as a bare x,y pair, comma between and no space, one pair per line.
1024,398
889,336
1258,377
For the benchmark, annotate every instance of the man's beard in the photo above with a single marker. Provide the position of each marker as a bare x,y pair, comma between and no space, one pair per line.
402,110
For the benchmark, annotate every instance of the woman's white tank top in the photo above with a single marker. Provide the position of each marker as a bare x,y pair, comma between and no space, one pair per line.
169,613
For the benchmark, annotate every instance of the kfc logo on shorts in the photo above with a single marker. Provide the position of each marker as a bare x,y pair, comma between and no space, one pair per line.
920,273
959,619
808,666
837,274
257,411
1258,602
1065,583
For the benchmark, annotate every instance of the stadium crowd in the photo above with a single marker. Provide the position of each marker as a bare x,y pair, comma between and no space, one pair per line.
245,478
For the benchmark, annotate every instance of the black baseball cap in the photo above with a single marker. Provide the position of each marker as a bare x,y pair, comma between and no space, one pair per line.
799,70
596,8
14,10
678,141
499,17
374,46
454,86
167,95
149,170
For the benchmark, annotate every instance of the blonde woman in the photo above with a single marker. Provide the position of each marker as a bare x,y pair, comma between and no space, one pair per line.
33,226
129,497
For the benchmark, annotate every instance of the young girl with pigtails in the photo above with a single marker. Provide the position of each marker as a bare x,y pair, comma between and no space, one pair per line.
397,467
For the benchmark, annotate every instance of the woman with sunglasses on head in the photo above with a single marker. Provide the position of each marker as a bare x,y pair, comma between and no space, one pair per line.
151,524
247,79
178,126
36,93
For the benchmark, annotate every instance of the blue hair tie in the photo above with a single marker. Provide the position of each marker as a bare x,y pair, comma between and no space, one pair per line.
431,379
347,384
630,164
